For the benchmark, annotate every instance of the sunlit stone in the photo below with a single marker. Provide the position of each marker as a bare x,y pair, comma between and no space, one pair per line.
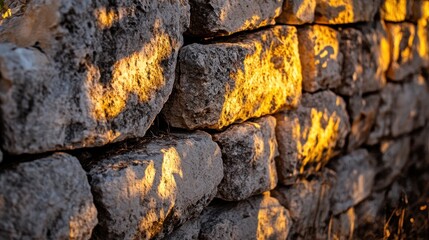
345,11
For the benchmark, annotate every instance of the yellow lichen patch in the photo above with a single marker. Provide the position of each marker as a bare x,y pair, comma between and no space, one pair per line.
272,219
423,40
395,10
335,11
106,18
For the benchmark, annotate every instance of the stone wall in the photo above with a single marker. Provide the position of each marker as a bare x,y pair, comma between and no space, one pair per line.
204,119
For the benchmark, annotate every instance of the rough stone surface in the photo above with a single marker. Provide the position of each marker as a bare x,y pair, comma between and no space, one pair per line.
321,59
343,225
258,217
297,12
210,18
86,73
355,178
395,154
310,136
227,82
368,210
248,152
366,59
404,50
48,198
396,10
146,192
363,113
308,204
403,108
345,11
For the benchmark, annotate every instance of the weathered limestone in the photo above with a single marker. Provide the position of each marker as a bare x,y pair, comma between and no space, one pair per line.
403,108
146,192
366,59
395,154
232,81
259,217
345,11
321,59
308,204
48,198
248,152
404,50
86,73
210,18
311,135
355,178
363,113
297,12
396,10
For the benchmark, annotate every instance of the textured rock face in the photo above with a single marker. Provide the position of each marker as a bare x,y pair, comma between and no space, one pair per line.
396,10
366,59
48,198
311,135
248,152
320,56
368,211
345,11
100,71
403,108
355,178
259,217
297,12
210,18
363,113
343,225
227,82
404,49
308,204
146,192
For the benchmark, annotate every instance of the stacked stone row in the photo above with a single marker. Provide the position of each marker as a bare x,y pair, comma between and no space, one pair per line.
293,115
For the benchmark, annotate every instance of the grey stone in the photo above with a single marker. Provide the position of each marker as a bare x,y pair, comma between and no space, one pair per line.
345,11
308,202
355,178
321,58
363,113
86,73
365,59
248,152
297,12
48,198
404,50
259,217
232,81
343,226
367,211
147,191
310,136
403,108
210,18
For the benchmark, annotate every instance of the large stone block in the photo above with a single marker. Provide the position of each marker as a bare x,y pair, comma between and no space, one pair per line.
210,18
366,59
345,11
308,202
355,178
48,198
404,50
321,58
248,152
297,12
145,192
232,81
86,73
403,108
259,217
310,136
363,113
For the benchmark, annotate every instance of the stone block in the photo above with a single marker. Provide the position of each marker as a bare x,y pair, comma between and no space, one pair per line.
355,174
211,18
297,12
147,191
310,136
345,11
248,152
237,79
321,58
86,73
259,217
48,198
